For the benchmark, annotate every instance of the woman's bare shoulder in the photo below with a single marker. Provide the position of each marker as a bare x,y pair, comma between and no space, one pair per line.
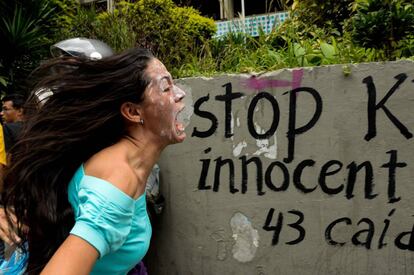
114,170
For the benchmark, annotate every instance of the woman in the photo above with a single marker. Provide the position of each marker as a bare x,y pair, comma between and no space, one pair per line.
78,173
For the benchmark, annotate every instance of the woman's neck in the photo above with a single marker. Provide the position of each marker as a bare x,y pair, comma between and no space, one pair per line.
141,154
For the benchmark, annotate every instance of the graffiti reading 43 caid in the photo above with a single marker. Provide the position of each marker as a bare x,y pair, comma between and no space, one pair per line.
362,237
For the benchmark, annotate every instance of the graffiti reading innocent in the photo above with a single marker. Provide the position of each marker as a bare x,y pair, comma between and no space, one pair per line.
288,171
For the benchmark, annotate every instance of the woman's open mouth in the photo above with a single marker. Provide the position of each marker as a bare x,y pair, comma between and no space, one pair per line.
180,122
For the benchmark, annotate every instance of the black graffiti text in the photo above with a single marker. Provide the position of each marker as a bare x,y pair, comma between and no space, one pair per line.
373,106
265,176
296,226
293,129
365,234
292,223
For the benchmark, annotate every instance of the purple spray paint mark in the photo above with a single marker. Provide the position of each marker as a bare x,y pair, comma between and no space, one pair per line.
297,78
255,83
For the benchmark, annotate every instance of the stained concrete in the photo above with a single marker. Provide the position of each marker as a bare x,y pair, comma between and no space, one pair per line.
281,220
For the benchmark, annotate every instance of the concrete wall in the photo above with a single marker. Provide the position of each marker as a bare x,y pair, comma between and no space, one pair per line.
303,171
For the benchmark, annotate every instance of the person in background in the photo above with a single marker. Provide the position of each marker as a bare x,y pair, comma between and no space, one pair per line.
3,161
13,116
78,172
3,158
2,167
12,108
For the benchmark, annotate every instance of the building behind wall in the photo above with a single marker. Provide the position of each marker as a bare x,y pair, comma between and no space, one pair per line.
218,9
246,16
229,9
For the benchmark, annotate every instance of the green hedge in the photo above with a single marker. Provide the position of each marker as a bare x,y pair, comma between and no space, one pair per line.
386,25
171,32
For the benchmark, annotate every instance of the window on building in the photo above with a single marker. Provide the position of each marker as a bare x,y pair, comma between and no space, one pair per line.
252,7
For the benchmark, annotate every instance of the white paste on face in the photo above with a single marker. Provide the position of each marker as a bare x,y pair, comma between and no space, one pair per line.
165,102
150,89
163,84
178,93
185,115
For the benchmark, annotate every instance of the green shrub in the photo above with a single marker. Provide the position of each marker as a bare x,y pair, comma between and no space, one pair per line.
82,24
328,14
65,11
108,27
282,48
383,25
174,34
171,32
405,47
116,32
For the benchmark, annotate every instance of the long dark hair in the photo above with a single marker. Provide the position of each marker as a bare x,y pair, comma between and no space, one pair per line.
81,118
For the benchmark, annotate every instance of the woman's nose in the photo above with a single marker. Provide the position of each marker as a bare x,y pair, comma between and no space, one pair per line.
178,93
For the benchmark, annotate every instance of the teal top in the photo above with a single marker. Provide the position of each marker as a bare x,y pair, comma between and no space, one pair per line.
111,221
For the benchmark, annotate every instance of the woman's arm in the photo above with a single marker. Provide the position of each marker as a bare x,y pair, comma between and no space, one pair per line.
74,256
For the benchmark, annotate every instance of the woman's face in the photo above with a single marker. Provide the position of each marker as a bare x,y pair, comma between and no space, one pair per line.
162,103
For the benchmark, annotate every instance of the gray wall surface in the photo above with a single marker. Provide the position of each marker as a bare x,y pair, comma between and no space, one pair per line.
302,171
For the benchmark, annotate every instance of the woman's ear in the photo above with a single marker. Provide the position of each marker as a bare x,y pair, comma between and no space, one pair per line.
131,112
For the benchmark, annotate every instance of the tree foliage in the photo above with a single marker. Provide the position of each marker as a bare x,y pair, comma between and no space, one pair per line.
322,13
27,29
171,32
318,32
384,24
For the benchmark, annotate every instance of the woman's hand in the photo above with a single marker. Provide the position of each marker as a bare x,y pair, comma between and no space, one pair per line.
7,234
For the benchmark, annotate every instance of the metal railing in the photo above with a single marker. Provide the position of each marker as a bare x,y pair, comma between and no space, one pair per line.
251,24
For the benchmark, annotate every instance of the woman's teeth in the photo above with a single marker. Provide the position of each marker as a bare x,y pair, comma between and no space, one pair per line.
183,117
179,128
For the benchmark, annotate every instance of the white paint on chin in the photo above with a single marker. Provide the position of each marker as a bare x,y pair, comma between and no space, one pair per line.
166,133
184,116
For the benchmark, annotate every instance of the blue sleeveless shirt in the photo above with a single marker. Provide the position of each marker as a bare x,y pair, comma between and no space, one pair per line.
114,223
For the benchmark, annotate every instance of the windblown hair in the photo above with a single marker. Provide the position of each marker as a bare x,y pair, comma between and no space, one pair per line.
80,118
